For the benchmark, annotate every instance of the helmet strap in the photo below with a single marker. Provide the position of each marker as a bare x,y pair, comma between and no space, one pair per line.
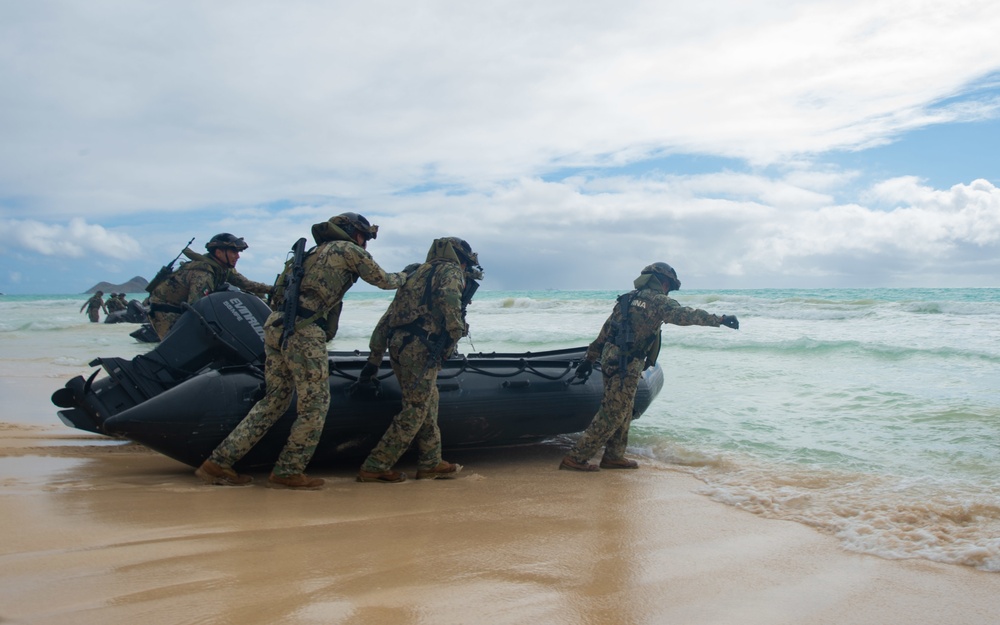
224,257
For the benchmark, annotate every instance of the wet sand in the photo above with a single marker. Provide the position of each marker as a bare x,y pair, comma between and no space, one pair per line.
106,532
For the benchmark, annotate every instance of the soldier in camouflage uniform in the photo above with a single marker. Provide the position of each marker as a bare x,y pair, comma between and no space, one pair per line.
421,329
300,364
628,344
115,303
196,279
94,305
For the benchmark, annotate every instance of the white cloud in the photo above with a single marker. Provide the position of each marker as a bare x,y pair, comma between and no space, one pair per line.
189,118
73,239
536,234
924,228
119,107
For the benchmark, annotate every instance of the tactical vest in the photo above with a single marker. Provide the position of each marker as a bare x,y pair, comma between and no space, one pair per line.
328,320
647,347
174,290
415,299
278,295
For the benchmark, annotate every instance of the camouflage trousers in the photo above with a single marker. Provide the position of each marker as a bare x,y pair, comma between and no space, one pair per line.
609,428
162,322
302,367
94,314
418,420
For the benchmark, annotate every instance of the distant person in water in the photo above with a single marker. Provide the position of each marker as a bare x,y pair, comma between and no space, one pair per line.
196,279
629,343
94,306
115,303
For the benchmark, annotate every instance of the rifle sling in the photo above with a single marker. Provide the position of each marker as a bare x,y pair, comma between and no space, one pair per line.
165,308
415,331
305,317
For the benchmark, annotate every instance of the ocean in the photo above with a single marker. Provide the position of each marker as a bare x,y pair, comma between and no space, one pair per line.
872,415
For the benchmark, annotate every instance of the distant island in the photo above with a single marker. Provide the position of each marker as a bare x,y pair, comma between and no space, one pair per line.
135,285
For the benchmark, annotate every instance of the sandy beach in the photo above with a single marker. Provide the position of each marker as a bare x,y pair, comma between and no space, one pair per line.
100,531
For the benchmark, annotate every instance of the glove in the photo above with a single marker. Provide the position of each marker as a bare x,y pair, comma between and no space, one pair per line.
730,321
584,369
367,373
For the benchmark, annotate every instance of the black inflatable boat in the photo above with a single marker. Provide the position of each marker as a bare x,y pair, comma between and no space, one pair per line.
134,312
183,397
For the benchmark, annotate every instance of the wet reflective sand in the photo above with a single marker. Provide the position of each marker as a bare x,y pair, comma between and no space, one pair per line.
99,532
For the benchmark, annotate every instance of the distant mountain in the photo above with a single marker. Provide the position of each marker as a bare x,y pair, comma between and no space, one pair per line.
135,285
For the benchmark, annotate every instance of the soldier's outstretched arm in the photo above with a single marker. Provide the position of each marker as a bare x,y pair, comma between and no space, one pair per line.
672,312
374,275
242,282
597,346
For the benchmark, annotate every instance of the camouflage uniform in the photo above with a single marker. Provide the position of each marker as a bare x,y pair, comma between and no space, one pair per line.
302,365
650,307
426,312
192,281
94,305
115,304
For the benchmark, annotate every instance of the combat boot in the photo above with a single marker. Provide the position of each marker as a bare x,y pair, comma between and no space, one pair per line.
299,481
219,475
618,463
572,465
387,477
442,470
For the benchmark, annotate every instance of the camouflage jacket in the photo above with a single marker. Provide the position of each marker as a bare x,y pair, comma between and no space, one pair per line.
94,302
650,308
329,271
114,305
196,279
431,300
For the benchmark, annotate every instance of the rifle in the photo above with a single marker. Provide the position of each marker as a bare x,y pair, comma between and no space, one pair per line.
624,337
165,270
293,280
471,286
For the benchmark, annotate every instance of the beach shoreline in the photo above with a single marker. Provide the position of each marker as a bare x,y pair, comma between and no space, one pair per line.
104,531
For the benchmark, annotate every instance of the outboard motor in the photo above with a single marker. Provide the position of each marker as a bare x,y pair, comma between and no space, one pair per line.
223,329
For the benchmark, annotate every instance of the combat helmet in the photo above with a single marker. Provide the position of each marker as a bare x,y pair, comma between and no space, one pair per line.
226,241
353,223
464,251
456,249
665,273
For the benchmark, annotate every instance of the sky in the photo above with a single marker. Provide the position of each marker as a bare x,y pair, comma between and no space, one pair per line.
786,144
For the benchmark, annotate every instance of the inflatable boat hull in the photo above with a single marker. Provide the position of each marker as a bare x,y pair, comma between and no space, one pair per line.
486,400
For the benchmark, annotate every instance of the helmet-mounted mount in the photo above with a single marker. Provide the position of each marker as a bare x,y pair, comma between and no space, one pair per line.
354,223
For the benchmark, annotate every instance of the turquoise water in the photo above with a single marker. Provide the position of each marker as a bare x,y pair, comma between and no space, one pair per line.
869,414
